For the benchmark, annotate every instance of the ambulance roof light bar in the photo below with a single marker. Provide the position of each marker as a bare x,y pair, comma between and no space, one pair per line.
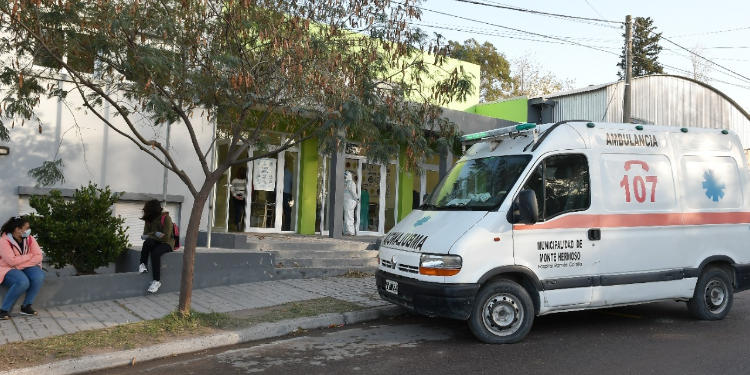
496,133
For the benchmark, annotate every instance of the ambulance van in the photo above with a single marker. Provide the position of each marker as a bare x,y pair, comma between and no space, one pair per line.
575,215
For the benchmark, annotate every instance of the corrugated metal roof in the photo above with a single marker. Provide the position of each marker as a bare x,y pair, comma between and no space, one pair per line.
635,79
660,99
575,91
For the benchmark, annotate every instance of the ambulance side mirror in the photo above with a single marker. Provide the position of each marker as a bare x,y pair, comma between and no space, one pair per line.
526,206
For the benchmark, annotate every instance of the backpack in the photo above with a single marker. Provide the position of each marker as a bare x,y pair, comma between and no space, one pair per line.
175,233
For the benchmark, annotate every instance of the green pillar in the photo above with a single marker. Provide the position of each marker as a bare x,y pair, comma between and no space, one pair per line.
405,186
308,188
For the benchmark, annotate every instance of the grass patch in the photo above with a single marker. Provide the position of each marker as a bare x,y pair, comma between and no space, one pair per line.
151,332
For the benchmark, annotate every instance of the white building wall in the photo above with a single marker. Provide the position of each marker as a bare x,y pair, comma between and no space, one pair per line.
93,152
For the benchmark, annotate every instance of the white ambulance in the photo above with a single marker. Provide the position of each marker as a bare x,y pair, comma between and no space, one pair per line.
576,215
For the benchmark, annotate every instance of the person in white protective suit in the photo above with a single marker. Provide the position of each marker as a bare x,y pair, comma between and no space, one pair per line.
351,198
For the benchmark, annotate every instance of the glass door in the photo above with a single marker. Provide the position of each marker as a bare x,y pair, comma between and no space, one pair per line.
221,198
371,199
289,191
273,187
229,200
352,213
262,208
237,197
321,217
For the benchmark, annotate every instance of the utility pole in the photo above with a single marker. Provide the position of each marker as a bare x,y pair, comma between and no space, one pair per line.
628,69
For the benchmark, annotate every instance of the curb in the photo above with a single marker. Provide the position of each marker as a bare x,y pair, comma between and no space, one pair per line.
258,332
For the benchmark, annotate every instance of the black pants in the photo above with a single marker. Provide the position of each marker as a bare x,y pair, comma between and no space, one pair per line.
286,218
156,249
238,213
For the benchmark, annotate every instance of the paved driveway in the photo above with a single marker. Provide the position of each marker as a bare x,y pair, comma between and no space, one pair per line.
656,338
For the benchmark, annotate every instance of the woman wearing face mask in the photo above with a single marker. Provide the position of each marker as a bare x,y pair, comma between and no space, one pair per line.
20,266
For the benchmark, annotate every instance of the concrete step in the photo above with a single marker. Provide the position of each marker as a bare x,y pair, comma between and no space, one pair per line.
308,246
263,242
326,263
308,272
321,254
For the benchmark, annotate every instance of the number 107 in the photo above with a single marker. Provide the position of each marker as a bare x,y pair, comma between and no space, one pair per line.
639,188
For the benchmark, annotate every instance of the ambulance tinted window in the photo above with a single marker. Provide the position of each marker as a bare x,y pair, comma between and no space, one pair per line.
561,184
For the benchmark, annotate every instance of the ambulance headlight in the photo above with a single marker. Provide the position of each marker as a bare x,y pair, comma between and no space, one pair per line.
439,265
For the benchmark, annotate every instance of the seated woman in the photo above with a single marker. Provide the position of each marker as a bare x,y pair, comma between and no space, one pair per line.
20,266
158,239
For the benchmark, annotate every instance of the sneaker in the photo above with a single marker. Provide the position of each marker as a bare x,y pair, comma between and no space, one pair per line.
154,287
27,310
4,315
142,268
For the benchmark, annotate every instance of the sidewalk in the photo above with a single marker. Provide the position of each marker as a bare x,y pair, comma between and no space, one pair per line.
101,314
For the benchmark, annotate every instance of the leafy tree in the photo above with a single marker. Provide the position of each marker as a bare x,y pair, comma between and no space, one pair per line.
701,68
495,69
530,79
330,69
646,49
81,231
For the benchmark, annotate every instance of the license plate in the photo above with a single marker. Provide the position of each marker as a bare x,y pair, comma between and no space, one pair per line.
391,286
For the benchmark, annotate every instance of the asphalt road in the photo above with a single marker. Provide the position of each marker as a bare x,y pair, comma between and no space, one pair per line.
657,338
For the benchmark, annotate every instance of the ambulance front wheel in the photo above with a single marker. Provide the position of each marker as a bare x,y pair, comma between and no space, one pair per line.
503,313
713,295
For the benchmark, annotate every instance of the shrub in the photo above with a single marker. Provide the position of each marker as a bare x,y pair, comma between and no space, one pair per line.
80,231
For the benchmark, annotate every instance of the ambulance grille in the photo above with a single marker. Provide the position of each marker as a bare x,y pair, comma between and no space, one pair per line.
409,269
387,264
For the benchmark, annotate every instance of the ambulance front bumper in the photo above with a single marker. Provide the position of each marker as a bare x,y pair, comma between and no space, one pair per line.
452,301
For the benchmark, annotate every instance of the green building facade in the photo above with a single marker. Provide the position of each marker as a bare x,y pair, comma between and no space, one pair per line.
291,193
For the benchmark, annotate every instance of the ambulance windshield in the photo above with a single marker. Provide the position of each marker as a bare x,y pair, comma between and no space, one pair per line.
478,184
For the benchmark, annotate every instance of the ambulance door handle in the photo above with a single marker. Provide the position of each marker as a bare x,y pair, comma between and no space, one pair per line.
595,234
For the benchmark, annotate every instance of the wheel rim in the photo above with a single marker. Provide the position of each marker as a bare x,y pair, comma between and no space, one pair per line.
716,295
502,314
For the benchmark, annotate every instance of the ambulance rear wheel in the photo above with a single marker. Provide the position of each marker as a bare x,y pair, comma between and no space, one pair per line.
503,313
713,295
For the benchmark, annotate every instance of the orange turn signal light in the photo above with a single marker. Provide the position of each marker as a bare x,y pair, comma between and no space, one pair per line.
438,271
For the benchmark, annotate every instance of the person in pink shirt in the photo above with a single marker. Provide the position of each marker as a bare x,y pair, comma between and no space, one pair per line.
20,266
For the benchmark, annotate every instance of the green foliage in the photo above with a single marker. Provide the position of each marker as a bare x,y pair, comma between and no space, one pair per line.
646,49
495,75
340,65
82,231
49,173
501,79
530,79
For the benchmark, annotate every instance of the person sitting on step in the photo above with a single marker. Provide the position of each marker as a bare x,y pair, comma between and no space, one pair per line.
20,266
158,236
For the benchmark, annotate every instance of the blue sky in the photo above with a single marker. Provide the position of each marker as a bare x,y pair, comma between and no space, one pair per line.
690,23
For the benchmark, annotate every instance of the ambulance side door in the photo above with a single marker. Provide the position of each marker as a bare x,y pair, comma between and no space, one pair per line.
645,244
556,248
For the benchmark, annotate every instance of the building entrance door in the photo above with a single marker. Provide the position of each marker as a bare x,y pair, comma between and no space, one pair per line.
376,186
229,200
371,181
260,196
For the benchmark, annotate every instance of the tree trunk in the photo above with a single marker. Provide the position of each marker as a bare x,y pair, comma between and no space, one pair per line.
191,241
